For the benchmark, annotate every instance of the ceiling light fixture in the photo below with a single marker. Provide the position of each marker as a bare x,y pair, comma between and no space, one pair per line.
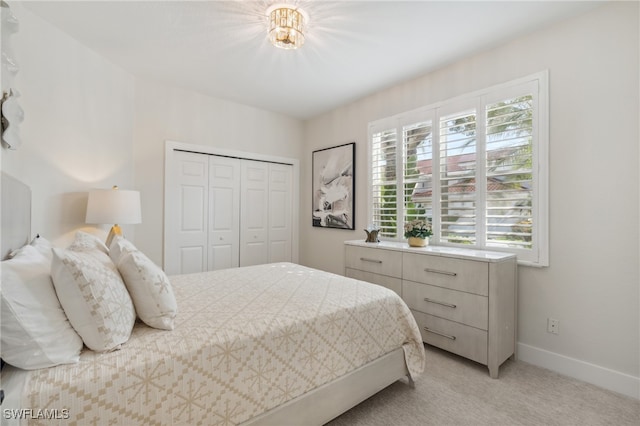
286,26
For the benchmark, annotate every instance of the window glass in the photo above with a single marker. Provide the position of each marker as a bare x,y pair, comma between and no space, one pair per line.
474,167
509,160
418,171
458,146
383,178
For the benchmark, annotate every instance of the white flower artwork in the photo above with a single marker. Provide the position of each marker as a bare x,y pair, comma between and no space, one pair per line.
12,113
333,187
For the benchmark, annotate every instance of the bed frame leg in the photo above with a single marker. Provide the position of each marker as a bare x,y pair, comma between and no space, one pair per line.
412,383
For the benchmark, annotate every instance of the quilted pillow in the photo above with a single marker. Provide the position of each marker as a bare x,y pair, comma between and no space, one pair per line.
92,294
87,242
148,285
35,332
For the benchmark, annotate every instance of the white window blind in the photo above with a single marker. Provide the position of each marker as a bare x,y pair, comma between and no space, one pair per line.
418,170
509,161
458,146
475,167
384,182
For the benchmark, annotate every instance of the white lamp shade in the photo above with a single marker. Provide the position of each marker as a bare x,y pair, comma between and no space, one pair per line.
113,206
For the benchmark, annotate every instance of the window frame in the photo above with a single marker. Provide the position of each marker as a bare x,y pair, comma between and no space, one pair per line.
538,86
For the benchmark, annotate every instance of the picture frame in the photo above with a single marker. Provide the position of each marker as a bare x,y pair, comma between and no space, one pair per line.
333,187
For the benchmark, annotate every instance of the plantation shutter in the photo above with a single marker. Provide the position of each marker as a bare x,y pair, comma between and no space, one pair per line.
458,163
509,159
418,171
384,181
476,167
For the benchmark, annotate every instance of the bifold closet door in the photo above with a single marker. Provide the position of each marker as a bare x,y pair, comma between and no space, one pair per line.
280,211
265,212
254,213
224,212
186,216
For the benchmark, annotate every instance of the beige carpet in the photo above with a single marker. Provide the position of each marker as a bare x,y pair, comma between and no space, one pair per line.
455,391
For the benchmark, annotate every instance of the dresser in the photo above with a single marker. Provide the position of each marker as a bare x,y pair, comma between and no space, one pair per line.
464,300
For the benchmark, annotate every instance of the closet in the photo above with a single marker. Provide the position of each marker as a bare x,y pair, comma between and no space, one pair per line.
224,212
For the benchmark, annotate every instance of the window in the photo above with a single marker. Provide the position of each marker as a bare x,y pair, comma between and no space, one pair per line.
476,167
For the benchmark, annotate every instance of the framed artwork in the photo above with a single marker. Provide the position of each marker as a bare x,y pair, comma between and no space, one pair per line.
333,187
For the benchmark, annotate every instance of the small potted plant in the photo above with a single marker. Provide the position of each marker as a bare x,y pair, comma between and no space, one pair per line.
418,232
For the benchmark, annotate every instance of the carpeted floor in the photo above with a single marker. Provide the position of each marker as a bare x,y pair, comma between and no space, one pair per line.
455,391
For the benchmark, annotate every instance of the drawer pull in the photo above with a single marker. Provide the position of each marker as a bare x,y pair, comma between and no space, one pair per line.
448,305
427,329
364,259
437,271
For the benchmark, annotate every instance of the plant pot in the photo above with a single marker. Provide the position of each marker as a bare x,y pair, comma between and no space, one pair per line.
418,242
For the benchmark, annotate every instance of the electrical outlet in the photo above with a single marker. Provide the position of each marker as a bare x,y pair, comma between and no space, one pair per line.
553,325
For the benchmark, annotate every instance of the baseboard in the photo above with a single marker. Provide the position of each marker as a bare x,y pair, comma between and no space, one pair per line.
581,370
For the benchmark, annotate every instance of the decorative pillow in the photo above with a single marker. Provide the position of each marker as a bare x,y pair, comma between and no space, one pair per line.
93,295
35,332
119,247
86,242
148,285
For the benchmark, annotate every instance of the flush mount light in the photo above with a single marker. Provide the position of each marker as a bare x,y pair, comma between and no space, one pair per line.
286,26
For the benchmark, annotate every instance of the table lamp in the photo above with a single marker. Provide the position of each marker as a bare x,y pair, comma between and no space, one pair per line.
113,206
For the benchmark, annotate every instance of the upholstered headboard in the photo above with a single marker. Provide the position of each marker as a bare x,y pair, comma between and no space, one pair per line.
15,209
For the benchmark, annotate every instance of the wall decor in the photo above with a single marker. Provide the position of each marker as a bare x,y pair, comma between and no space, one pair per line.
333,187
11,114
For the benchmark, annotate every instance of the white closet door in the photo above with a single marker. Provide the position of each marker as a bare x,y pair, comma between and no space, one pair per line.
186,214
224,212
254,213
280,207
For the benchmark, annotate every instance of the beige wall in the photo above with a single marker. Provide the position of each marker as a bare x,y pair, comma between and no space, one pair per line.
77,130
592,283
168,113
89,124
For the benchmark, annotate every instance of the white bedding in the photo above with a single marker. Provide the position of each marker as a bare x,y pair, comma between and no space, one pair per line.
246,340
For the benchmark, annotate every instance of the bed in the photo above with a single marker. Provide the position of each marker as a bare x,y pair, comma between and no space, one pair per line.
270,344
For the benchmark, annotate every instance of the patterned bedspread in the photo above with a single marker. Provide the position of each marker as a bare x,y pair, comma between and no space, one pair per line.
246,340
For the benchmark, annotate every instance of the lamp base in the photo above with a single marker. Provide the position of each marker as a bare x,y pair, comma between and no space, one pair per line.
115,230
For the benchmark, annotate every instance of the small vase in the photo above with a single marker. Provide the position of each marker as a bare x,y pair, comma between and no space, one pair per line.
418,242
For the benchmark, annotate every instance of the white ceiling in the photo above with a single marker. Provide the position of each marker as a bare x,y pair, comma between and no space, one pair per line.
353,48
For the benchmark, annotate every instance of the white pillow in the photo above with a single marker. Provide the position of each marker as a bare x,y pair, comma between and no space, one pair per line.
93,295
43,246
35,332
148,285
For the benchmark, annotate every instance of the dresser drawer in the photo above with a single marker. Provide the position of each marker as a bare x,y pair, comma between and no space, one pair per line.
391,283
470,307
457,274
460,339
385,262
467,308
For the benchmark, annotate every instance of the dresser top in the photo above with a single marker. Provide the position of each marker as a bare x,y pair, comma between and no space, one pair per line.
445,251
